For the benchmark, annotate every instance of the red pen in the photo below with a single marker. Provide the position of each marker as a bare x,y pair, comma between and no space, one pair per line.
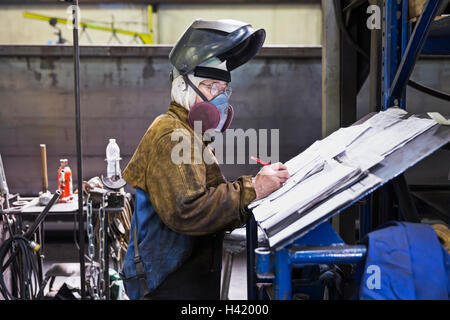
260,161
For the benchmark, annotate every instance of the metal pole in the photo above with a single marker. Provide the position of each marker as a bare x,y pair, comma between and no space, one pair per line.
76,59
391,55
282,283
106,256
252,243
375,65
226,275
327,255
415,45
404,43
331,94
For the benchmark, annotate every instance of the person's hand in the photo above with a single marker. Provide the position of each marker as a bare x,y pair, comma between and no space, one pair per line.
269,179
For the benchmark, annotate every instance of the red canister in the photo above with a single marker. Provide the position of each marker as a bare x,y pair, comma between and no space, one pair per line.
65,181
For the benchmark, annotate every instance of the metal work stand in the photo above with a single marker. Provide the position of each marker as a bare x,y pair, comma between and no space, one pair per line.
65,212
320,246
318,243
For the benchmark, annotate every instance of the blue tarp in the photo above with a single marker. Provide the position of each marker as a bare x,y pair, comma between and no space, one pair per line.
405,261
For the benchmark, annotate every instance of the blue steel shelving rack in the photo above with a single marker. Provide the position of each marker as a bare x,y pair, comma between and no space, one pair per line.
401,49
322,245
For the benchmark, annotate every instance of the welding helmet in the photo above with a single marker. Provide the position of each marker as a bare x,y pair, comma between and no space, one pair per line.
212,49
231,40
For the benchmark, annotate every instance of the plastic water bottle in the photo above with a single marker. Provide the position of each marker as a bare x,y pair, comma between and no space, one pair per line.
113,157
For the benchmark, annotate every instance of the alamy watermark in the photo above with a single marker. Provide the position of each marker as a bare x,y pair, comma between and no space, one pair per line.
224,146
373,281
74,17
374,20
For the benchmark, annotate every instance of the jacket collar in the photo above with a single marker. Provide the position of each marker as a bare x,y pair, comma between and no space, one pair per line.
179,112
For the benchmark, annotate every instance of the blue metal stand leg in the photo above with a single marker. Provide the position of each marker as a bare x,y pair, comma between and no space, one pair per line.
282,283
252,244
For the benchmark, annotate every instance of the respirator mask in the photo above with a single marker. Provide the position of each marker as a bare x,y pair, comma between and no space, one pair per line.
216,113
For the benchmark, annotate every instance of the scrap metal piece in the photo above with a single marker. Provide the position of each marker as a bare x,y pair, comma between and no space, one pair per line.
44,198
113,184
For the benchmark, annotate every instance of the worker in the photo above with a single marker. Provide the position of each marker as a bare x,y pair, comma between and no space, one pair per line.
183,209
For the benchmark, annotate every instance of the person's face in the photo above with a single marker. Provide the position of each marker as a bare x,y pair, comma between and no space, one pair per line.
211,89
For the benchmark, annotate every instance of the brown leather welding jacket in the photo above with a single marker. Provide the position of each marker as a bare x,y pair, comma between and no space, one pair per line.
190,198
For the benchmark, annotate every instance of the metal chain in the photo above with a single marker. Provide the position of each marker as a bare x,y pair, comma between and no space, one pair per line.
91,251
101,251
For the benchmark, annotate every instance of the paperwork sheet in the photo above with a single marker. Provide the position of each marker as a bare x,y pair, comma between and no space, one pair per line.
313,190
303,173
305,219
382,142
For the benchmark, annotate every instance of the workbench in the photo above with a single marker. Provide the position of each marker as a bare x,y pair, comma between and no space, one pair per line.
61,212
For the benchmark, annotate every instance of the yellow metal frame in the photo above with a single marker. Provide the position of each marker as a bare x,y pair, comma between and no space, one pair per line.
146,38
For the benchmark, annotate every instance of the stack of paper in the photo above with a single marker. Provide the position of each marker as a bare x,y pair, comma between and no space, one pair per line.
334,171
320,212
383,141
299,171
272,214
310,189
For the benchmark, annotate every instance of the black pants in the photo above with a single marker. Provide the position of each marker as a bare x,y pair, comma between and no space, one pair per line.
198,277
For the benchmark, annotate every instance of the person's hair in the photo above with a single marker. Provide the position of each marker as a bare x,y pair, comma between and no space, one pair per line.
182,93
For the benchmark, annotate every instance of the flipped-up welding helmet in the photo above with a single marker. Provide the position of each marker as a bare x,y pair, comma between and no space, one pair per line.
230,41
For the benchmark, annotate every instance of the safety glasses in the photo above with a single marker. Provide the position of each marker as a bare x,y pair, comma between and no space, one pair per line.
217,88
